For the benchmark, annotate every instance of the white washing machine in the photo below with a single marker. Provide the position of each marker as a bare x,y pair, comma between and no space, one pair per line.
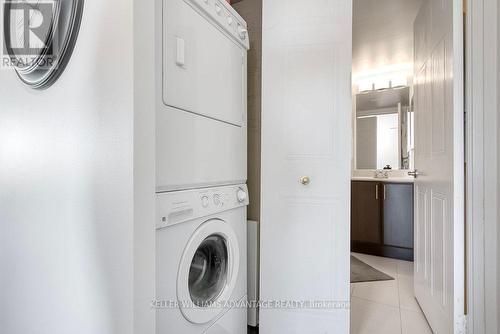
201,133
201,261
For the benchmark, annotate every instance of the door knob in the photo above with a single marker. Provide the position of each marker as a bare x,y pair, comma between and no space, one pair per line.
414,173
305,180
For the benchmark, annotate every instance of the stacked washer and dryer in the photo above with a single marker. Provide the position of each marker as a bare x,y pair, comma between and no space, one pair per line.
201,159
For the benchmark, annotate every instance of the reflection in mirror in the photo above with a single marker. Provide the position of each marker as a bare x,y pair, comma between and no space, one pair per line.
384,129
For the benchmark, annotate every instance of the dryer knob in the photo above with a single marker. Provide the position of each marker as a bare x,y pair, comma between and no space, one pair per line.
242,32
241,195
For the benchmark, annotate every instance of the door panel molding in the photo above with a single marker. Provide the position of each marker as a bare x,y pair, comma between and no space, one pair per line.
306,132
439,154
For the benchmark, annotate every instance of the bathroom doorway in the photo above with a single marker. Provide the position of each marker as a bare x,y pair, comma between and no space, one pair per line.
407,188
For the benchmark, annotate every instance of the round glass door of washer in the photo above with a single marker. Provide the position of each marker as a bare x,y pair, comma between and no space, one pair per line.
208,271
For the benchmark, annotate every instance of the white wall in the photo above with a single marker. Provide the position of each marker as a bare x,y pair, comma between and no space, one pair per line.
383,35
147,15
491,171
366,143
497,49
497,17
388,141
66,224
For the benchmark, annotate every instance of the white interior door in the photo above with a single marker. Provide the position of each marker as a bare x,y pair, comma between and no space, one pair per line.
306,132
439,159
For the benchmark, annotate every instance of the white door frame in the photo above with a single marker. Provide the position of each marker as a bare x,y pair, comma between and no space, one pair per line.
482,166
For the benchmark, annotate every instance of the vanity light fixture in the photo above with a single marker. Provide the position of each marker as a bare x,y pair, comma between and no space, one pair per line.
384,77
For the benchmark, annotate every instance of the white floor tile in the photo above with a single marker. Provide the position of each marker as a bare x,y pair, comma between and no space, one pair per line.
387,306
407,299
414,323
382,292
372,318
405,268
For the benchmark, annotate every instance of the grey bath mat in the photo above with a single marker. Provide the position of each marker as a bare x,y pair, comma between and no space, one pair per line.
361,272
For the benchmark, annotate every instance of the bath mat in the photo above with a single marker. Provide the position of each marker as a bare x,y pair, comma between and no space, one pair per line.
361,272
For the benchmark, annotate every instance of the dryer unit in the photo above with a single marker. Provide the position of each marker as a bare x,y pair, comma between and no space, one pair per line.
201,118
201,261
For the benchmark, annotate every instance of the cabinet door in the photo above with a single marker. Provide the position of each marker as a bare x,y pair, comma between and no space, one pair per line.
366,224
398,214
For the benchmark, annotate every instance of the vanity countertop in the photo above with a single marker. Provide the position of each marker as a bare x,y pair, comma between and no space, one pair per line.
393,179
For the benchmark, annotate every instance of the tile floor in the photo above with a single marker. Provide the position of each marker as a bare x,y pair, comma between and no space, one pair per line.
386,306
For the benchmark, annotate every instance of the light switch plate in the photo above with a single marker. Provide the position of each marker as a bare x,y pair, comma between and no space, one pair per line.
180,58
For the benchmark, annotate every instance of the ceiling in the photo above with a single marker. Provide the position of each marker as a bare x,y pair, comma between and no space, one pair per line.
383,36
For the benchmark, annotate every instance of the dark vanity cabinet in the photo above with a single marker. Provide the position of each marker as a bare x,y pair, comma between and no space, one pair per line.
382,218
366,218
398,215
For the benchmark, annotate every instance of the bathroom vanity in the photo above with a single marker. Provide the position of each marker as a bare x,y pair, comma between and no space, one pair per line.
382,191
382,217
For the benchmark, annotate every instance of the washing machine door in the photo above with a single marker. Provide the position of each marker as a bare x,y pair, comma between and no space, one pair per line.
208,272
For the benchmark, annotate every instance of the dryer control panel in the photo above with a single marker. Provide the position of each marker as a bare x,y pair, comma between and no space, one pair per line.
180,206
223,15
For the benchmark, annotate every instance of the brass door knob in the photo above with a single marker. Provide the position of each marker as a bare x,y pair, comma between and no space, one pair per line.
305,180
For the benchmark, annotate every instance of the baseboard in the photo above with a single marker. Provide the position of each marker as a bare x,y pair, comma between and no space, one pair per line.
399,253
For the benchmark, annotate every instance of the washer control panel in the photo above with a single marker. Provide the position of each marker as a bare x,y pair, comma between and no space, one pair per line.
180,206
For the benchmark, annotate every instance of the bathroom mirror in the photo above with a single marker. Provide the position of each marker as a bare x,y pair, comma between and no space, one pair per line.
383,129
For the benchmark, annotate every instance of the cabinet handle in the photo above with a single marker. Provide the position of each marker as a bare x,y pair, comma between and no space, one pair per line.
384,192
376,191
